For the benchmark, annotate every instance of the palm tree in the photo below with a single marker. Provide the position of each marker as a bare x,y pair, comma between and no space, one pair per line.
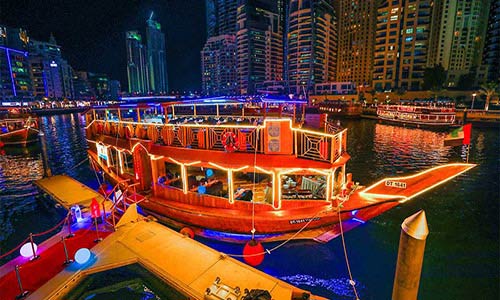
489,90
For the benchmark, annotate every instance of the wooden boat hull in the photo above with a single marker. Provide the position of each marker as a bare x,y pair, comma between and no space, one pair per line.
21,137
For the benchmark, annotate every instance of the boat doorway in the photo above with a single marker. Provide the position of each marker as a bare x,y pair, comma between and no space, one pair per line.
142,167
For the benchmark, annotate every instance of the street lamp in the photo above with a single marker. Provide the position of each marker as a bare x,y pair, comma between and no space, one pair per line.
473,98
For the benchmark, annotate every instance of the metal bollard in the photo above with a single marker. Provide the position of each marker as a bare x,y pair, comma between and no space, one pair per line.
98,239
33,248
68,219
67,260
23,293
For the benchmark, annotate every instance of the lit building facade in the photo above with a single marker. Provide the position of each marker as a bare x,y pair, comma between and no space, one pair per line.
114,89
401,44
458,37
50,73
218,64
99,83
311,44
81,86
156,57
357,21
137,69
15,81
259,40
492,48
221,17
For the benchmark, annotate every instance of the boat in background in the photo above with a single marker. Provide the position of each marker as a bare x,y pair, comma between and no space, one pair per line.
341,108
232,169
18,131
429,114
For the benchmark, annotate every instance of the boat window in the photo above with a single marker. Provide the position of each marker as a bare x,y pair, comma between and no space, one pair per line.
128,163
113,159
303,186
208,181
170,175
250,186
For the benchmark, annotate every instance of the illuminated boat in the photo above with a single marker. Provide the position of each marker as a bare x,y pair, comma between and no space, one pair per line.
341,108
425,113
18,131
229,169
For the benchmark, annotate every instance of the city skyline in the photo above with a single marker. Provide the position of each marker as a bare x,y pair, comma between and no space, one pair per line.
99,27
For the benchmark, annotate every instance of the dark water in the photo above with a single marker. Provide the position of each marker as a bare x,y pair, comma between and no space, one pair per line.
462,252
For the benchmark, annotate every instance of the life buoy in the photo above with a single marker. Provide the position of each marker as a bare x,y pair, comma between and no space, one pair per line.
230,141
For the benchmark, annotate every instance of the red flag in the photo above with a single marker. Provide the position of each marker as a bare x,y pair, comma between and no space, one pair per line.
467,131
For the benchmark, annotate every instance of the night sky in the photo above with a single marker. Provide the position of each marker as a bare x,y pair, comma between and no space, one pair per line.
92,33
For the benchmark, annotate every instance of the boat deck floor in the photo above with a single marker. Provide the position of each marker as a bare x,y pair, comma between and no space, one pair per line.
184,263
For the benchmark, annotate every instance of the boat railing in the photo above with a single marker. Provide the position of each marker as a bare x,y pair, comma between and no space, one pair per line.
307,144
121,202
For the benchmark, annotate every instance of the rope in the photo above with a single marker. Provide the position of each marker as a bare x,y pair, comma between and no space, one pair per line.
351,280
78,164
268,251
34,235
51,229
253,188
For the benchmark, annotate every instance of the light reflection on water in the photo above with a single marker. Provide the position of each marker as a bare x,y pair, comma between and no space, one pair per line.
461,260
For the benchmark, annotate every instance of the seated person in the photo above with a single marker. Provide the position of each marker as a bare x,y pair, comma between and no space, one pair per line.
243,194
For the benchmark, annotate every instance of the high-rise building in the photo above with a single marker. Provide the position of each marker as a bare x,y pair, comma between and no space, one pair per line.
15,82
458,36
218,66
99,83
311,44
137,69
156,57
356,40
259,39
221,17
114,89
492,48
50,73
401,44
81,85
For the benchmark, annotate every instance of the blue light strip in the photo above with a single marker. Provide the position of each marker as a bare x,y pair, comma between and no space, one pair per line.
25,53
10,70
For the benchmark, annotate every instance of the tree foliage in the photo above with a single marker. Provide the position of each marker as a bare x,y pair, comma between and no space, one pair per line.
434,78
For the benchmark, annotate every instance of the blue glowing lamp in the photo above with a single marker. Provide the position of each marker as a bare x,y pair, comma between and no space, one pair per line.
209,173
82,256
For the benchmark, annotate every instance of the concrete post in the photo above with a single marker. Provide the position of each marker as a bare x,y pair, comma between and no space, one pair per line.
414,232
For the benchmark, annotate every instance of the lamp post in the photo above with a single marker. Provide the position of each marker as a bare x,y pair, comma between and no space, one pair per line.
473,98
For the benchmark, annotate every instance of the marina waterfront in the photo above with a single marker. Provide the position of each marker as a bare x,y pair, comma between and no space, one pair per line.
462,254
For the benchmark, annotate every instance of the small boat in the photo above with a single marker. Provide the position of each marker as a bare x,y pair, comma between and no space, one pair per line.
18,131
341,108
232,169
428,114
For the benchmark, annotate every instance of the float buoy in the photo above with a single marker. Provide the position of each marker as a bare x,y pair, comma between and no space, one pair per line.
230,141
253,253
186,231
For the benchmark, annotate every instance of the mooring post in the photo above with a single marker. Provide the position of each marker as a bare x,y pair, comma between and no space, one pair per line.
23,293
414,232
46,167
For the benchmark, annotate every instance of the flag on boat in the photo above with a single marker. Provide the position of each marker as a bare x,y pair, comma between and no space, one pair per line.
459,136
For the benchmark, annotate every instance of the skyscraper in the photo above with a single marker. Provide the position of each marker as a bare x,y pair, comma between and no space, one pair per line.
218,66
15,82
259,39
401,44
311,44
218,57
458,35
492,47
137,70
221,17
50,73
156,57
356,40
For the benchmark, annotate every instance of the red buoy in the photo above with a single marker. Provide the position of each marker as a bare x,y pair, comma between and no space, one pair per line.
187,232
253,253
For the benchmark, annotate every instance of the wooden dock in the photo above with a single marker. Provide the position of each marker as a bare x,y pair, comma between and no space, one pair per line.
68,192
183,263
